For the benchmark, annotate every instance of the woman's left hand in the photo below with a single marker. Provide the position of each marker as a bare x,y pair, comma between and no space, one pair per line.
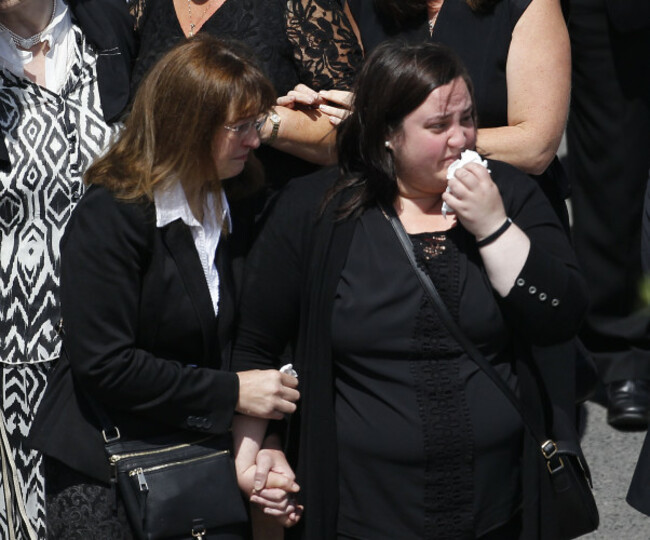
476,200
300,96
335,104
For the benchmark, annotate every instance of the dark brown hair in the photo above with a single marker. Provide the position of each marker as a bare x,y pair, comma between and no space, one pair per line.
405,75
189,94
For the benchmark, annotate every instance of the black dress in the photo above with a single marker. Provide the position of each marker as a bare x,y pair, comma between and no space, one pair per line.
294,41
428,448
482,42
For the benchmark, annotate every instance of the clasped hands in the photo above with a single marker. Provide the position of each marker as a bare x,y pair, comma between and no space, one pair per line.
271,484
264,474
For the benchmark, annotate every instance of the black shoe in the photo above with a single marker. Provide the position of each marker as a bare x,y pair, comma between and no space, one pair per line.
628,404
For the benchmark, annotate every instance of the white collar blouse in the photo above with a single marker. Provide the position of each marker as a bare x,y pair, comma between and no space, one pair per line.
171,204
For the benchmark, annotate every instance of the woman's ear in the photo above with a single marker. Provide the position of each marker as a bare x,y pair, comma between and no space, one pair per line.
393,137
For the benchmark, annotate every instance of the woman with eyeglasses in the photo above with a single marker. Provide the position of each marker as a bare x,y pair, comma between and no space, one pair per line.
148,292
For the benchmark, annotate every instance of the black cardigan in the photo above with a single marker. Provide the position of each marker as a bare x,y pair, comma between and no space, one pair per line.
108,26
289,289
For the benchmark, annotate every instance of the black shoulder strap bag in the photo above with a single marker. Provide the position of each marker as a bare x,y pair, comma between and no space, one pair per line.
180,486
575,505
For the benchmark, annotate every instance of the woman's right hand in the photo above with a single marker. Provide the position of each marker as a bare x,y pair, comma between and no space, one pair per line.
267,393
476,200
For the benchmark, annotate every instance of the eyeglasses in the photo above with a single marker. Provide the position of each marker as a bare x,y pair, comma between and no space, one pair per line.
243,128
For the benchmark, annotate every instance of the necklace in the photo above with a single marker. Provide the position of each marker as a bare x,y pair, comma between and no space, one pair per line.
434,9
28,42
189,12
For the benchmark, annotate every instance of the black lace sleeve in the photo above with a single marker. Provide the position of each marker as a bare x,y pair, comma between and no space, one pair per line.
325,48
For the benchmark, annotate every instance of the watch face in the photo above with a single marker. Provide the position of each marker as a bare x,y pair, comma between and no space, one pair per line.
275,117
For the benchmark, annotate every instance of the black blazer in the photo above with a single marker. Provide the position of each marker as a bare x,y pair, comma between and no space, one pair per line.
141,336
109,27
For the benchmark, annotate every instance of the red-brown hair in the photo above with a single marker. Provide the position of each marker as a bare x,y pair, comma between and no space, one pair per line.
189,94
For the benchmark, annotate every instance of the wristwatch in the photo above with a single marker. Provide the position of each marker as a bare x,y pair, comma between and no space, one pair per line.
275,119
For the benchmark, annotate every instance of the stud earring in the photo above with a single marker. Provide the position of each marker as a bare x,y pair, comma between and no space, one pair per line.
387,144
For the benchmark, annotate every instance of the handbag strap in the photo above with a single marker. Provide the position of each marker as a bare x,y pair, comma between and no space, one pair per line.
110,431
473,352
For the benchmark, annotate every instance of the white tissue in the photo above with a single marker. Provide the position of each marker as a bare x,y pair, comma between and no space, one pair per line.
288,369
467,156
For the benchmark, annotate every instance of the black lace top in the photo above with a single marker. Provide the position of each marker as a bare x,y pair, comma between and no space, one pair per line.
440,396
296,41
428,448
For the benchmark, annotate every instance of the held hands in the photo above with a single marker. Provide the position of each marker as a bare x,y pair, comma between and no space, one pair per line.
275,486
335,104
270,484
267,393
476,200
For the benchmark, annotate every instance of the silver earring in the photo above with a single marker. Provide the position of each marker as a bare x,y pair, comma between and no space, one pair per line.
387,144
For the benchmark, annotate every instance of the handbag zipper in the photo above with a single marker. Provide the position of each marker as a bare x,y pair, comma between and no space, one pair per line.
118,457
139,472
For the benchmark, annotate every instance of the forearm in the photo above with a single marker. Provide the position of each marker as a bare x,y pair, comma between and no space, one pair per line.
538,78
304,133
248,436
505,258
549,299
522,145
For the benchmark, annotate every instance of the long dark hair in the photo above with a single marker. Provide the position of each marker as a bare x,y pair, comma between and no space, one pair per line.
401,13
394,81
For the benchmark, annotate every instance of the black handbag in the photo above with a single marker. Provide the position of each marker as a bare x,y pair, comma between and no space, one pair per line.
575,506
179,486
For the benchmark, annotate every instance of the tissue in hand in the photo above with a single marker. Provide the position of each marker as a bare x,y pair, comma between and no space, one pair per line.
467,156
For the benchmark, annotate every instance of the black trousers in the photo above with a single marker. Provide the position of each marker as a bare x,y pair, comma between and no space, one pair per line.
608,136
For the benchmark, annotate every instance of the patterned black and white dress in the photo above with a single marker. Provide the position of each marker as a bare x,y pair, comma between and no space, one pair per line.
51,138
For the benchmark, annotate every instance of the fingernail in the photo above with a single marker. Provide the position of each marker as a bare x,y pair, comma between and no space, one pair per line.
258,485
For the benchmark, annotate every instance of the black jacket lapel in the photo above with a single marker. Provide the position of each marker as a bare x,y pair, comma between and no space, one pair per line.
178,239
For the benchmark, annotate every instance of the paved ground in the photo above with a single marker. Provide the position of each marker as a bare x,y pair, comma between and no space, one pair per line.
612,456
